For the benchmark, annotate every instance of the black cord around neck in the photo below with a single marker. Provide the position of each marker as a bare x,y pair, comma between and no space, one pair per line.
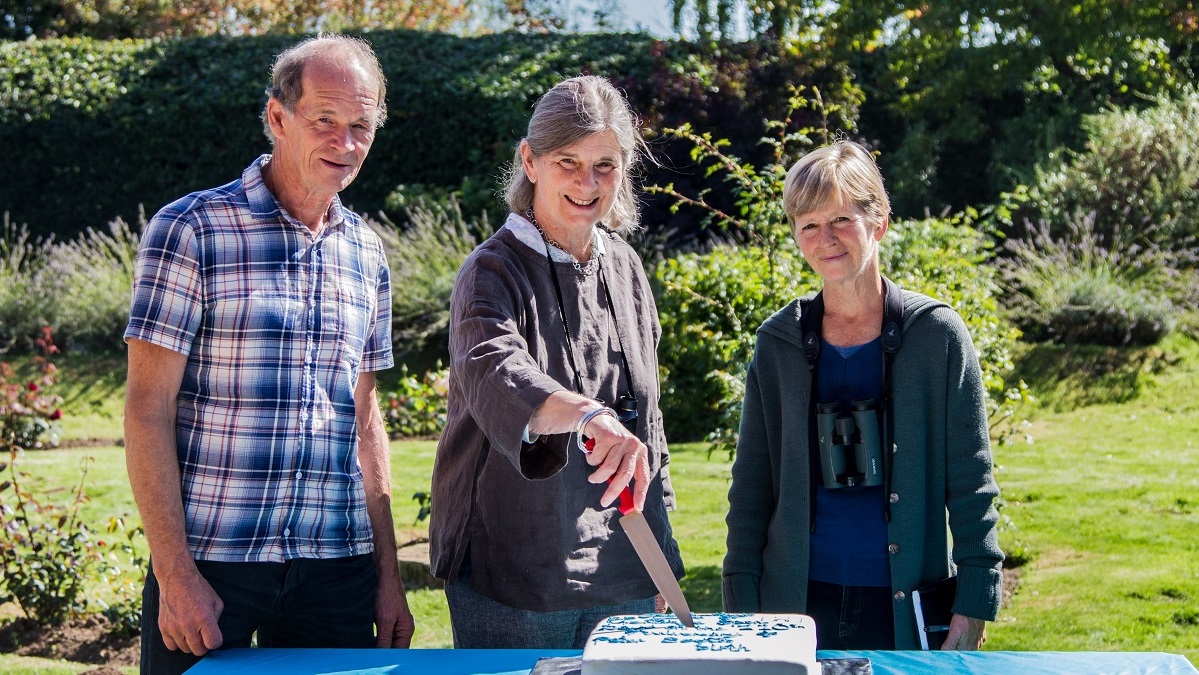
570,350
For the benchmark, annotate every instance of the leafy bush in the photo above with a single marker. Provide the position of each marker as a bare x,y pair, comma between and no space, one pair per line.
417,407
28,411
1137,178
124,567
22,311
87,284
424,258
45,548
965,98
946,259
1081,288
711,305
473,195
48,555
102,127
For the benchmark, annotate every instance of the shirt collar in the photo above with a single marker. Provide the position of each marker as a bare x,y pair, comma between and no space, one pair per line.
264,205
526,232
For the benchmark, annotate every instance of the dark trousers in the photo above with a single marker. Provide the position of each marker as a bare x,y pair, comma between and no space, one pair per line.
851,617
298,603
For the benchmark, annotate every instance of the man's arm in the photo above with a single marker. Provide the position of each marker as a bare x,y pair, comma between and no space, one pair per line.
392,617
188,607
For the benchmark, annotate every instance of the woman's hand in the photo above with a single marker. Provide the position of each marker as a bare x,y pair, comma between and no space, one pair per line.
966,634
620,457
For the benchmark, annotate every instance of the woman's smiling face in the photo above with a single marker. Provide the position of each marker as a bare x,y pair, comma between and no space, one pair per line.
575,186
839,241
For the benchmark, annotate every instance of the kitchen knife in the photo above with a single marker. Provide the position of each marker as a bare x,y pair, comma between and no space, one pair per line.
646,545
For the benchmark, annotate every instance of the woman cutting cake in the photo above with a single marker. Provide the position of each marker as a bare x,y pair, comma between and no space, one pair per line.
863,447
553,339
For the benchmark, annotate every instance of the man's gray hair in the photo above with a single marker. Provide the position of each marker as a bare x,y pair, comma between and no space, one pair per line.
287,75
568,113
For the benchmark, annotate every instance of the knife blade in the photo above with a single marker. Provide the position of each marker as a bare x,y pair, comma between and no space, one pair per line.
646,545
655,563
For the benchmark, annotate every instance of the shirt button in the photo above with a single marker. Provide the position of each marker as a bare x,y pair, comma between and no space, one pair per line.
287,532
299,475
900,596
893,548
894,497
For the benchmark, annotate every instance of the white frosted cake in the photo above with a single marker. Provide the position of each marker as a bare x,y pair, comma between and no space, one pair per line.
760,644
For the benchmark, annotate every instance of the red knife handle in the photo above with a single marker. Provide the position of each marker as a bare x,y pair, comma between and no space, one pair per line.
626,495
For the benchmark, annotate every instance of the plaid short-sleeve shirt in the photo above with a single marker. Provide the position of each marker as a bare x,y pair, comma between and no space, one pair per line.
277,323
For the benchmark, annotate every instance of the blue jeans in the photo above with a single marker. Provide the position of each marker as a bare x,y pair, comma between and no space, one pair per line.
851,617
482,623
299,603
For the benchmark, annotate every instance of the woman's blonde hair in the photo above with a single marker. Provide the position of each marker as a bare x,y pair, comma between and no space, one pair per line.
568,113
843,172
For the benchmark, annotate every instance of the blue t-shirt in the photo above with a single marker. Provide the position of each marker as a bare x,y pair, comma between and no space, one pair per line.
849,542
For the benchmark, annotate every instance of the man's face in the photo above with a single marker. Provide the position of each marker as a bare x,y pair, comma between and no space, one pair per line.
323,143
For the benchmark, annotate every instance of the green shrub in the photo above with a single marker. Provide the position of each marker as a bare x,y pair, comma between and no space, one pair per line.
417,406
1079,288
103,127
22,311
87,283
946,259
424,258
45,548
710,306
28,411
473,195
124,567
1137,177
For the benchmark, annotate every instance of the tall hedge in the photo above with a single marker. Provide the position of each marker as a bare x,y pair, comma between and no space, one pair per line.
92,129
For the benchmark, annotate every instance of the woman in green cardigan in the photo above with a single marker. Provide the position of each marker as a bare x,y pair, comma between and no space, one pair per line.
863,447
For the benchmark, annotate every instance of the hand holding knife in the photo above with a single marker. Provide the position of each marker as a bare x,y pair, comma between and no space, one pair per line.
644,542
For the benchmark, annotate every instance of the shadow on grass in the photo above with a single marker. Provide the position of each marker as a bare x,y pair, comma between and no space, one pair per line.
701,586
1067,377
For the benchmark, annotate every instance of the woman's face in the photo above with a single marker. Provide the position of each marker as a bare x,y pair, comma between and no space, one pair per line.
574,187
840,242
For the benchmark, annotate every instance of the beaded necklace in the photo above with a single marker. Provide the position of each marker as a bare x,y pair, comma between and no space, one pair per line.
588,268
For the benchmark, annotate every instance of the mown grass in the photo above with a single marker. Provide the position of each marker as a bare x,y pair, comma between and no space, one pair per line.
1104,504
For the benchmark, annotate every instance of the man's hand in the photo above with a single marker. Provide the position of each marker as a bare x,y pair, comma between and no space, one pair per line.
965,634
188,610
392,618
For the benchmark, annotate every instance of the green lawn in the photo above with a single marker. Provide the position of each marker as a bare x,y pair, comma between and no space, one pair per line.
1104,504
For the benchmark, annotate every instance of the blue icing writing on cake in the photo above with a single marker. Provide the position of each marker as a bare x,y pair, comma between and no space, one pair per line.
659,644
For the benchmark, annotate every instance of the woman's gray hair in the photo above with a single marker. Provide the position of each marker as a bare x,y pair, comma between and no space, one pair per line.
287,75
843,172
568,113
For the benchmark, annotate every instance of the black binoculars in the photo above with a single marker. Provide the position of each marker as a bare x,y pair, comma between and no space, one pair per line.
850,450
626,412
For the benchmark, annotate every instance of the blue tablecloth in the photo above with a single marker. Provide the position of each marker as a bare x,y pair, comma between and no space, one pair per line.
520,662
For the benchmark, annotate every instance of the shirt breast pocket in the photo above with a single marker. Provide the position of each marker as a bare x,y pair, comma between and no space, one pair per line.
351,309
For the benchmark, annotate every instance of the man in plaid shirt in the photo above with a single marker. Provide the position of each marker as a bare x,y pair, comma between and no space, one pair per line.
257,454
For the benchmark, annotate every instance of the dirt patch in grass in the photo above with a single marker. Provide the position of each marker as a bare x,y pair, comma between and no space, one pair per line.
1011,582
86,639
